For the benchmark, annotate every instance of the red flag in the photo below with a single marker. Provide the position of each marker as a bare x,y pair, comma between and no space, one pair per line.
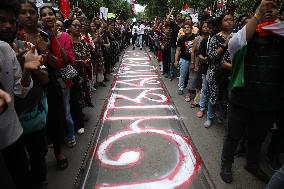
186,6
64,7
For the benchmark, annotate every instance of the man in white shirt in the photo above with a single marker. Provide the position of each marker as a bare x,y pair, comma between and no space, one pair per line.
140,34
134,34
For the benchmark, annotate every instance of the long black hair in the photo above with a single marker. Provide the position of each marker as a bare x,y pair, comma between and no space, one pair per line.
30,3
12,6
46,7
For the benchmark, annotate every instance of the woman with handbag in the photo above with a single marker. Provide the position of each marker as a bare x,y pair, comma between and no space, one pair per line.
62,71
66,71
56,123
68,74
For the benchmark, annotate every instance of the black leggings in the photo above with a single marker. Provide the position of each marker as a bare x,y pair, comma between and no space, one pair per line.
36,146
17,163
257,124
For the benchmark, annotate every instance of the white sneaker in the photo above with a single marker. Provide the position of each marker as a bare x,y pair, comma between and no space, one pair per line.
208,123
81,131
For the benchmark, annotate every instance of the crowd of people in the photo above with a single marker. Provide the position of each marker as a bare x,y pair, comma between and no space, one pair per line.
231,70
228,68
50,66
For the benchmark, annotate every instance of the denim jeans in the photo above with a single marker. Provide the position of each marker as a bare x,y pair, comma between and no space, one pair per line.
203,94
69,120
184,69
173,69
213,108
277,180
140,40
210,111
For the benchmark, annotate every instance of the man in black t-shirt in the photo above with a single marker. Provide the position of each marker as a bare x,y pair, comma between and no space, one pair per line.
175,27
183,55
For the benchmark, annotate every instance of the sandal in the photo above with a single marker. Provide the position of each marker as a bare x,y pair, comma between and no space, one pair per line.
193,105
71,143
187,98
200,114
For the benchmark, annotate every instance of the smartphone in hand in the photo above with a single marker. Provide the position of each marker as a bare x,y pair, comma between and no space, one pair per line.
44,35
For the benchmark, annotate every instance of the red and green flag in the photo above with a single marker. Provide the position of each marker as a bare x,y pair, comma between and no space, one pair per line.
130,6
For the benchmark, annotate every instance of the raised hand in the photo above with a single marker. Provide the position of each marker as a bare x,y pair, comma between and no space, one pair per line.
32,61
20,53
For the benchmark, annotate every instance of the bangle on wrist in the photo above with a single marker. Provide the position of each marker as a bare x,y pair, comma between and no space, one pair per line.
224,47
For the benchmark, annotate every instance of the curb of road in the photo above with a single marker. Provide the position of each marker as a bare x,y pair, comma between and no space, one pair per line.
93,143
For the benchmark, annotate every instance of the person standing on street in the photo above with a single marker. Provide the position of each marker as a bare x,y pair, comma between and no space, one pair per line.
175,27
140,34
255,87
134,34
183,55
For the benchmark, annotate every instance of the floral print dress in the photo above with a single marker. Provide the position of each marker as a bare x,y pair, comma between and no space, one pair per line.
82,83
216,75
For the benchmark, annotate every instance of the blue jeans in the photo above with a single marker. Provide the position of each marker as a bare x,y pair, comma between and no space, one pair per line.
140,40
213,108
173,69
277,180
203,94
69,120
184,69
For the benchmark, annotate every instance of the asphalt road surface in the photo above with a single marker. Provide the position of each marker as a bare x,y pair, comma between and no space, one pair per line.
141,142
139,135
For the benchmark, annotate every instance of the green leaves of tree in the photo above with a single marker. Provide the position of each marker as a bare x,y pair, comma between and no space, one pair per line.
115,6
161,7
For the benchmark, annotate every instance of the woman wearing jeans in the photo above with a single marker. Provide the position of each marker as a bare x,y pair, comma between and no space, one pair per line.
216,74
184,49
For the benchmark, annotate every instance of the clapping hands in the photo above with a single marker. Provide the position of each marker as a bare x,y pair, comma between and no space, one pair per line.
5,99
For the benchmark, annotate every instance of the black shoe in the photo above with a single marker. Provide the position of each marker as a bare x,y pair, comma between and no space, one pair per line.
133,48
226,173
141,49
257,172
